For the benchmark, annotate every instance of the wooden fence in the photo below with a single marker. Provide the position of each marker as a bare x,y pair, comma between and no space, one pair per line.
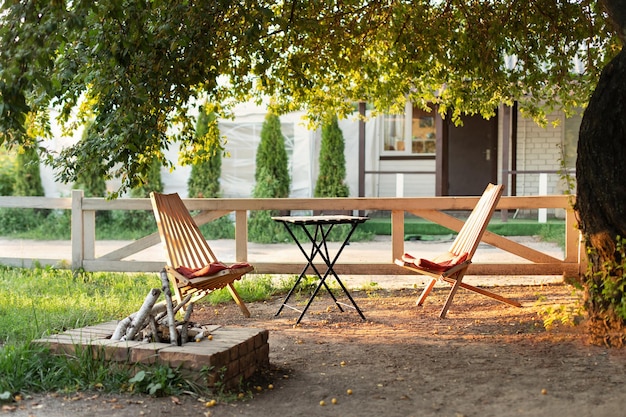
83,236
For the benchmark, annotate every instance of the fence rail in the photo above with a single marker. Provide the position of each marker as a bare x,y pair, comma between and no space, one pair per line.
83,235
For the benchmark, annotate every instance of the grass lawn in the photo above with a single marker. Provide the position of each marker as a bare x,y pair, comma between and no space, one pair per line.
37,302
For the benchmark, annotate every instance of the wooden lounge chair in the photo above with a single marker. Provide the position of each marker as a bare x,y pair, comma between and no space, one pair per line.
452,265
193,267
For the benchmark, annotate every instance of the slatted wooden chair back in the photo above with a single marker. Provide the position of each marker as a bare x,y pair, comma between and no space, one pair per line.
184,243
471,233
463,249
186,247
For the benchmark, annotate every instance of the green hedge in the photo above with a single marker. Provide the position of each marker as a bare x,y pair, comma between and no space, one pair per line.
418,227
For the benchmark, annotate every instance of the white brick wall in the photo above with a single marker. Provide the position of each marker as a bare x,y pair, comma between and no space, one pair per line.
539,149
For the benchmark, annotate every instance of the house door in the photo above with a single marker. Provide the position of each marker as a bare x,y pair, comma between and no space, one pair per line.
472,155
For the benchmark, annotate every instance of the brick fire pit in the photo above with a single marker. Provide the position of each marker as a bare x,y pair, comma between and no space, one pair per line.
231,355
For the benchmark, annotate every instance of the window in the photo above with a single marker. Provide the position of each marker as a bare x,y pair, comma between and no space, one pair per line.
393,131
423,135
415,138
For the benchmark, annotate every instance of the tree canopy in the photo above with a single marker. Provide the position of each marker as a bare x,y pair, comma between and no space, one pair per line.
138,66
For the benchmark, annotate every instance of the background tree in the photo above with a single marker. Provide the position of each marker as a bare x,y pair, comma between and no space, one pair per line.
601,195
272,180
91,182
272,164
89,179
27,174
144,220
204,180
136,65
7,172
149,182
331,179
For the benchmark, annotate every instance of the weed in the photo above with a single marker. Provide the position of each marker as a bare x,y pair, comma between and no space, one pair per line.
565,314
371,288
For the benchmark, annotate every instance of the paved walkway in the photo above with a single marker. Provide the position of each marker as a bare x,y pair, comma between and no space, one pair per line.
378,250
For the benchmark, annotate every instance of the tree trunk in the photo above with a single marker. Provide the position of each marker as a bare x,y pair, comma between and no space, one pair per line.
601,203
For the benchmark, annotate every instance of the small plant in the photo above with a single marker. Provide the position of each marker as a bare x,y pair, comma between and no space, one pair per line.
371,289
567,315
156,381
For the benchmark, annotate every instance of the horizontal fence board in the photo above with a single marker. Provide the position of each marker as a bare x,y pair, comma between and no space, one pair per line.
432,208
233,204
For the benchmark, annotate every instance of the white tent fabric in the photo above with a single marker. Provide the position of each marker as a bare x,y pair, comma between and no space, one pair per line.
242,135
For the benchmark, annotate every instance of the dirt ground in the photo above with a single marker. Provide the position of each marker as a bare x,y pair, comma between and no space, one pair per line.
484,359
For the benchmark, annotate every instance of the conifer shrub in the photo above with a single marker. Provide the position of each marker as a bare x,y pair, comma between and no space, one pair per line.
92,184
272,181
27,175
7,171
204,181
91,181
332,160
144,220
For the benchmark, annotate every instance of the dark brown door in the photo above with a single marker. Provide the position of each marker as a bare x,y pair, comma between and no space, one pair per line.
472,155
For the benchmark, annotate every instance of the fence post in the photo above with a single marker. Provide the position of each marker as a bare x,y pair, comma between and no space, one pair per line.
78,226
397,234
543,190
241,236
399,185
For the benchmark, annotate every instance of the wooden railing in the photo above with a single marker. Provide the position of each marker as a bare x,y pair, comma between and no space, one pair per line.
83,236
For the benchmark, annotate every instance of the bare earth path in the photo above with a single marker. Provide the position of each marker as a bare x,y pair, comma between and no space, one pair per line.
485,359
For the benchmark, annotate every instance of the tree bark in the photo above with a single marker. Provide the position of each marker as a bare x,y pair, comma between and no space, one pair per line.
601,199
616,10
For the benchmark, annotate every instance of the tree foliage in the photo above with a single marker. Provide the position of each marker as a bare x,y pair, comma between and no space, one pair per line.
204,180
332,174
149,182
138,65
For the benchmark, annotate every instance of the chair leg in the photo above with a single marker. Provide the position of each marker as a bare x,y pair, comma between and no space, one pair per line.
238,300
426,291
455,286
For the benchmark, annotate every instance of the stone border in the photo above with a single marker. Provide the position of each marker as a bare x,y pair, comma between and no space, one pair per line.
231,355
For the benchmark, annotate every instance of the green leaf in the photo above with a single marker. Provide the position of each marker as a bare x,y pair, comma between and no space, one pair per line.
154,388
139,377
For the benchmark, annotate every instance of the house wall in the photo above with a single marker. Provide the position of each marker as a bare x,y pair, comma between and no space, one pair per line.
406,185
539,149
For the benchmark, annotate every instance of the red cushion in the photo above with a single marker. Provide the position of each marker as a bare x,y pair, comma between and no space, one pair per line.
441,266
208,270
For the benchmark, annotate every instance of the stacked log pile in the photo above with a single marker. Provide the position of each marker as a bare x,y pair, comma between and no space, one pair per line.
156,322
